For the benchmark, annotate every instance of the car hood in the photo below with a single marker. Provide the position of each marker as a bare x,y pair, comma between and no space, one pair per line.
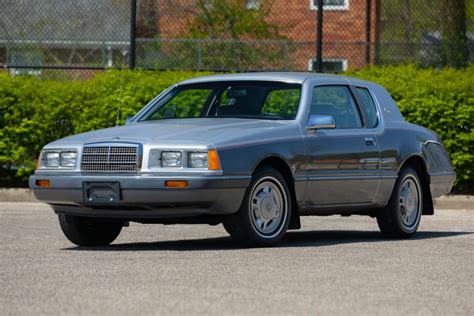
203,131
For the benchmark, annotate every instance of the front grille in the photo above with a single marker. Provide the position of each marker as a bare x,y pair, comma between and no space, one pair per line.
110,159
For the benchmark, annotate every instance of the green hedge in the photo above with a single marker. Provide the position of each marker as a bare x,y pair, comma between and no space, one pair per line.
35,112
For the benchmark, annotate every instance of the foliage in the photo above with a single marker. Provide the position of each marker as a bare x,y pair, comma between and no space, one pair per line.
221,19
35,112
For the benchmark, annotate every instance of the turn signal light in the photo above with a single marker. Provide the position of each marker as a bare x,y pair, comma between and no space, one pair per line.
176,183
213,160
42,183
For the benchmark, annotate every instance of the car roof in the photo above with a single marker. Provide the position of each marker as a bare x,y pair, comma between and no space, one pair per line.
290,77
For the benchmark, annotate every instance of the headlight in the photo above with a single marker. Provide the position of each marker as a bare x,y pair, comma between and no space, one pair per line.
171,159
51,159
68,159
58,158
198,160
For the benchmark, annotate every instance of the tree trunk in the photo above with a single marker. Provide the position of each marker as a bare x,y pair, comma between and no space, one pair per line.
453,32
148,24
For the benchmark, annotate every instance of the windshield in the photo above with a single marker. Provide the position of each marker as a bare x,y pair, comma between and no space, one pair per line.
238,99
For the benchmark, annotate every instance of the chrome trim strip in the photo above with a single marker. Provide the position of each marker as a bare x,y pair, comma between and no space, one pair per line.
325,178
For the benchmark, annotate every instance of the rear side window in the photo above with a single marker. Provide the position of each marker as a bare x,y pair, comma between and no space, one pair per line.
368,105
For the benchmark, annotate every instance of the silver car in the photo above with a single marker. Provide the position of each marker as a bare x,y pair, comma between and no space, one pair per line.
253,152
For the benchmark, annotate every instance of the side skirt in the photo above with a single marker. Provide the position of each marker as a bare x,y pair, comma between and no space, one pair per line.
339,209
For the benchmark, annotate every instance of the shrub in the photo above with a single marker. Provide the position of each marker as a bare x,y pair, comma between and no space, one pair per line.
35,112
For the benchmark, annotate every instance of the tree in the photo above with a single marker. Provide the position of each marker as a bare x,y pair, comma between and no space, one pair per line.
224,19
148,25
453,32
232,36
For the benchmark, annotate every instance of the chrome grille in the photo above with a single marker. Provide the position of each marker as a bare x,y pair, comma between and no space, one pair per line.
110,159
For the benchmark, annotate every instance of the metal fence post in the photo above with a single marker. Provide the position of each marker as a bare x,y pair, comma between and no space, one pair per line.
368,21
133,28
377,29
319,39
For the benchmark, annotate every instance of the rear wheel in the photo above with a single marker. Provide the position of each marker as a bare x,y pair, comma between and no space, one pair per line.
84,231
401,217
263,218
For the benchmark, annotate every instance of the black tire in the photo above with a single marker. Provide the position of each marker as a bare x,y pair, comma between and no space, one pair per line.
84,231
402,216
271,197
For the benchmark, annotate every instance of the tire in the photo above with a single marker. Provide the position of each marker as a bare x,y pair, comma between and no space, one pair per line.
84,231
402,216
264,215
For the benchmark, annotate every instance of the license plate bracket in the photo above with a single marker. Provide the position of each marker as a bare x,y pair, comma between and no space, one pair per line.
101,192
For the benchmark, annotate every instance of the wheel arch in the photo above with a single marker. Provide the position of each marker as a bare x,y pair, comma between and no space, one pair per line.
281,165
418,163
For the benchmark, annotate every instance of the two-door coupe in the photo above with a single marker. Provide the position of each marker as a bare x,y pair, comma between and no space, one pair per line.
252,151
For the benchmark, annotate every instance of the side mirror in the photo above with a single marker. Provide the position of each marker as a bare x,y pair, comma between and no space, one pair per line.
128,120
320,121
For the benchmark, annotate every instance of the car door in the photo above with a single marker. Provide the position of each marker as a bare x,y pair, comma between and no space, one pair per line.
342,163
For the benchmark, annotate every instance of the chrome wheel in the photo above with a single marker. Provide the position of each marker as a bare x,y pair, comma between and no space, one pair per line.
268,207
409,202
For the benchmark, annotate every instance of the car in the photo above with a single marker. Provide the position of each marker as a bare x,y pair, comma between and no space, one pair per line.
254,152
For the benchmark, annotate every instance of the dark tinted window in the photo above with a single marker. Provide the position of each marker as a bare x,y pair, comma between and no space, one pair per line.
338,102
368,106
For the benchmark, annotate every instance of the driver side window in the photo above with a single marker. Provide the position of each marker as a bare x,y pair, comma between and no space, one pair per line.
338,102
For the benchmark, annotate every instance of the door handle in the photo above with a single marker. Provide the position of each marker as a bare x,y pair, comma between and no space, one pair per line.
369,141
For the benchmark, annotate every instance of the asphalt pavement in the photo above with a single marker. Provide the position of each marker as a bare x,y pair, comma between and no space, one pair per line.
334,265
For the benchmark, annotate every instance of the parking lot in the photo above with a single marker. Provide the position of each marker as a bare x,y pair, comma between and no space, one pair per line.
333,265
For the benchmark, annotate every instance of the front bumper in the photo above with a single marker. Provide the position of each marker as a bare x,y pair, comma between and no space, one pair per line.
144,196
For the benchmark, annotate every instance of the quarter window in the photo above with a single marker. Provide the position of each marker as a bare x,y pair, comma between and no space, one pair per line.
338,102
368,106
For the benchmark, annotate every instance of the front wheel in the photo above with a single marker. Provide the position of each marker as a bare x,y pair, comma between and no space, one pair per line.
263,218
401,217
84,231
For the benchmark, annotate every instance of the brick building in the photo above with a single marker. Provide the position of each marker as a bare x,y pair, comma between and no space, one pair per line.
349,27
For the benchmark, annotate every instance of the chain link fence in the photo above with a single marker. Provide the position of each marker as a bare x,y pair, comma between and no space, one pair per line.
77,38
